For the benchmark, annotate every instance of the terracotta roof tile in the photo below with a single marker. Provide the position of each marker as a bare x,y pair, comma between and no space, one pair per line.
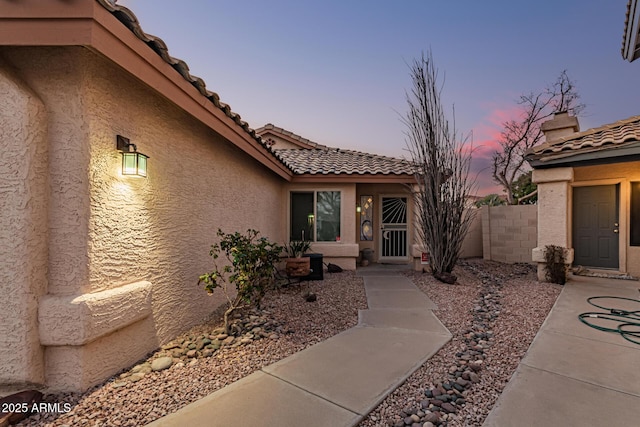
325,161
282,131
318,160
614,135
129,19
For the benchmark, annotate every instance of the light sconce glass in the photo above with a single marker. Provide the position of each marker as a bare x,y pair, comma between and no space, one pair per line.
133,162
358,209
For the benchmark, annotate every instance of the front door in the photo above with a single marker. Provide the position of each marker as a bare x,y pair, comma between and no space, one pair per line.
393,227
595,226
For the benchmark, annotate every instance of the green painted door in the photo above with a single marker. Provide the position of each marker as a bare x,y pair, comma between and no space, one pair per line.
595,226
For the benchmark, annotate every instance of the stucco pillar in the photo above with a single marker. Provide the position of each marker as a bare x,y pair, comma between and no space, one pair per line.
554,202
23,229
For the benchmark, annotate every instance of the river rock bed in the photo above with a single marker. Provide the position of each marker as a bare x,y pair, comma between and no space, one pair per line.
204,360
491,331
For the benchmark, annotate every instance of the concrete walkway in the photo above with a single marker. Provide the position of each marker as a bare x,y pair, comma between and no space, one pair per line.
338,381
574,375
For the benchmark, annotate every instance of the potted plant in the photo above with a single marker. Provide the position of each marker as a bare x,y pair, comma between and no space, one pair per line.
295,264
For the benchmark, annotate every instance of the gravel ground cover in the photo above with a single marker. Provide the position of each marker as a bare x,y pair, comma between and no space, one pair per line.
293,324
484,312
493,313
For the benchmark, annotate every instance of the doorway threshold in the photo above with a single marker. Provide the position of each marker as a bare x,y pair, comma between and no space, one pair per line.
601,272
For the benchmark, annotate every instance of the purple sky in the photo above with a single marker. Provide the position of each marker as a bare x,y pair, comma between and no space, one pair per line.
336,71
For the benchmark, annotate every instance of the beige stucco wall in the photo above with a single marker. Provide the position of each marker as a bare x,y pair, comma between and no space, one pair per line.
554,210
113,237
472,243
23,227
509,233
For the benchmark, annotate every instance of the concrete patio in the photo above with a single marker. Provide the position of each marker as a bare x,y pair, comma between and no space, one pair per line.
338,381
574,375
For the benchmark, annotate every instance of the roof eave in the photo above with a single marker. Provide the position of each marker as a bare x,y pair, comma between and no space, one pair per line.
90,24
611,155
631,38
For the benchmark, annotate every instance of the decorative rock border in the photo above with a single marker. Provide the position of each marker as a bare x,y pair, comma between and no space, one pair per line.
442,402
244,329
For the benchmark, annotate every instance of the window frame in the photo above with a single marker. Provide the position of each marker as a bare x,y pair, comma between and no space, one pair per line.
634,213
315,214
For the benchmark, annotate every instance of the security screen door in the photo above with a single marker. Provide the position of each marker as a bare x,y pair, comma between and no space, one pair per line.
393,240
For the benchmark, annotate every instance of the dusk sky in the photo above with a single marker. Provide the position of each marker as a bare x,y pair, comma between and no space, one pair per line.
336,71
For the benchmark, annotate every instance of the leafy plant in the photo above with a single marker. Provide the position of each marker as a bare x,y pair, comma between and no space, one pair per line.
491,200
249,265
556,267
525,190
297,248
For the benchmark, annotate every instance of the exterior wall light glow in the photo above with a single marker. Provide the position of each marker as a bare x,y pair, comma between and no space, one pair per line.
133,162
358,208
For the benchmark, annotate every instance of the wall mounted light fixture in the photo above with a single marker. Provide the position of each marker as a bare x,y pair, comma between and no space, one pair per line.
358,208
133,162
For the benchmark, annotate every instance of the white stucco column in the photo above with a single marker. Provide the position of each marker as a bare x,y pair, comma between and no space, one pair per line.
554,210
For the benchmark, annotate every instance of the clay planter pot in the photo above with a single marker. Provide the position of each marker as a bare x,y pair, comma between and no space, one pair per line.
298,267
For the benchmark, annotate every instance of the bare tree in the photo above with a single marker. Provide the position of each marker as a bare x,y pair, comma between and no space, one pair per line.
442,176
518,135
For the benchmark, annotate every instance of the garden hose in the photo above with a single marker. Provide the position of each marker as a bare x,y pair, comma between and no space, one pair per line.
628,321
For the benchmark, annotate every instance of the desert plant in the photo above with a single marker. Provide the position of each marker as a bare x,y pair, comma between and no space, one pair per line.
442,163
297,248
556,267
249,265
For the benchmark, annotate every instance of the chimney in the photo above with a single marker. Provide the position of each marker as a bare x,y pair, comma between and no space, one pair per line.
560,126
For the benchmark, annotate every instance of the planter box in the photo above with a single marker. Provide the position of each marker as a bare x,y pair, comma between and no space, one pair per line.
298,267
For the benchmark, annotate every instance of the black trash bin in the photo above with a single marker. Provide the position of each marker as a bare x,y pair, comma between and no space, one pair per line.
317,270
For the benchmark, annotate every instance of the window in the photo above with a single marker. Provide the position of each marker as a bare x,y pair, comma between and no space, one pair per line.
315,216
366,217
634,238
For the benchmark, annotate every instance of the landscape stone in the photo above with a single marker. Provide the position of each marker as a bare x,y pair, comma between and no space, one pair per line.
136,377
161,363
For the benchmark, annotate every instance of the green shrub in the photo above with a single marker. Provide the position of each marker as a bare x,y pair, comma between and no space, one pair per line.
556,265
249,265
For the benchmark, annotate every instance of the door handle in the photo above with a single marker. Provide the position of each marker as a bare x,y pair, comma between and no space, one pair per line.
615,230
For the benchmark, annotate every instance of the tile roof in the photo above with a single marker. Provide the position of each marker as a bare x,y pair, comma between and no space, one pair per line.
614,135
270,127
325,161
129,19
318,160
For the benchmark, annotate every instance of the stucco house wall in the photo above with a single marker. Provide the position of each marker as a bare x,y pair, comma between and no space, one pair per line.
569,160
116,241
23,227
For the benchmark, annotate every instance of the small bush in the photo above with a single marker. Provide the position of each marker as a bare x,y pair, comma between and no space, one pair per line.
556,267
249,265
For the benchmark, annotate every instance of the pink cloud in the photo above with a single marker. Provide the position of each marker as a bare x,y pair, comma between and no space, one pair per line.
486,136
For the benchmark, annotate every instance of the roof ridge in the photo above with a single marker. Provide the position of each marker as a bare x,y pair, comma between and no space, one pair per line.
271,126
